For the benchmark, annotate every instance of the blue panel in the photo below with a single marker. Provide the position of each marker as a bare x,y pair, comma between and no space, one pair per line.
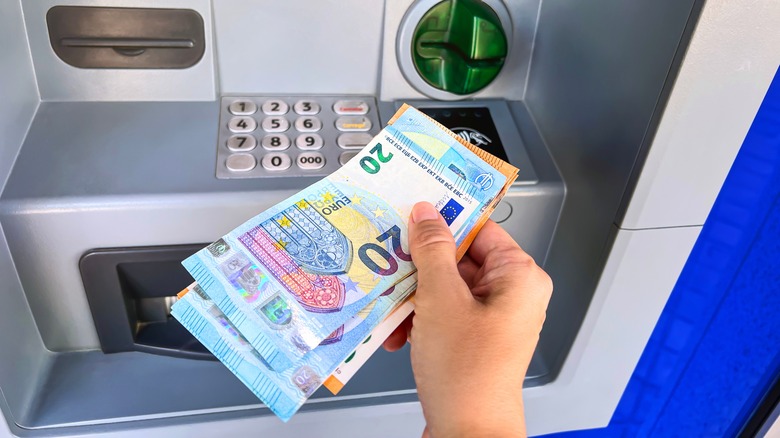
716,348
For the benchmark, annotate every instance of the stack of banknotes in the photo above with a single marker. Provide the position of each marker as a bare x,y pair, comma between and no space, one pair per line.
302,294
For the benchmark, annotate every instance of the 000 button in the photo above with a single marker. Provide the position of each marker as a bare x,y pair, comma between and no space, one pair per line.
310,160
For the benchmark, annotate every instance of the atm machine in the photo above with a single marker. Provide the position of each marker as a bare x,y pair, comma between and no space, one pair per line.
134,132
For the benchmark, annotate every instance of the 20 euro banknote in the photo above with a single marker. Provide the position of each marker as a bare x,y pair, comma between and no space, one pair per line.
347,369
290,277
284,392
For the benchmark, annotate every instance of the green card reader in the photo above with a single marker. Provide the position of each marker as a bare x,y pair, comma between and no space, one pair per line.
453,49
459,46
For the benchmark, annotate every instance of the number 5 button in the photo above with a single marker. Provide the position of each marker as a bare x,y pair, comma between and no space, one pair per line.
310,160
275,124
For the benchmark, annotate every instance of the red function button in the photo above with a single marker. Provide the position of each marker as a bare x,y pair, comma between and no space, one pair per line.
357,107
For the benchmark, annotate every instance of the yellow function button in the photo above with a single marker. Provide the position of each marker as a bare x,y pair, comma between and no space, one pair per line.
353,124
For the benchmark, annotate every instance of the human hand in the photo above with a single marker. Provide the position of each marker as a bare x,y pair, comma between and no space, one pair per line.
474,330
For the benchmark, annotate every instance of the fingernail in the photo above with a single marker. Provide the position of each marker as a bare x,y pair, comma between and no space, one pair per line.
424,211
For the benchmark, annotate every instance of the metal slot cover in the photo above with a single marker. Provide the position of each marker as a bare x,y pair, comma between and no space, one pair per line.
97,37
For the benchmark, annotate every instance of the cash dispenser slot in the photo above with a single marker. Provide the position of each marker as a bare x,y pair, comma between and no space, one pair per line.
100,37
130,293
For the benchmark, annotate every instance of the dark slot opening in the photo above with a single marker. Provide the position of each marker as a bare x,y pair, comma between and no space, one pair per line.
131,291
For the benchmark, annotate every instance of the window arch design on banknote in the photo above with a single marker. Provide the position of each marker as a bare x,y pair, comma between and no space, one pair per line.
310,239
316,292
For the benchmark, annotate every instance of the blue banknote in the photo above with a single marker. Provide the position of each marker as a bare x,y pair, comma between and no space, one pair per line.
288,278
282,391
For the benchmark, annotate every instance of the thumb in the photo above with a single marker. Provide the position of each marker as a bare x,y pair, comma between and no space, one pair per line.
433,253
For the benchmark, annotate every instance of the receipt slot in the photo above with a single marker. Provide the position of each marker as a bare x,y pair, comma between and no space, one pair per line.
124,145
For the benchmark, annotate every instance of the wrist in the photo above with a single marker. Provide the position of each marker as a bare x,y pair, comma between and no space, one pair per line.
507,424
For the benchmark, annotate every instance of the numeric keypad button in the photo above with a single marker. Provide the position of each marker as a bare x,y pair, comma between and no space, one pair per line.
241,143
308,124
275,124
242,124
240,163
310,160
275,107
276,162
276,142
353,140
309,142
346,156
242,108
306,107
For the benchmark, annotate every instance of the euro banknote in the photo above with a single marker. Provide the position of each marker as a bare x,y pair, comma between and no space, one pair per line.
347,369
363,351
284,381
284,392
290,277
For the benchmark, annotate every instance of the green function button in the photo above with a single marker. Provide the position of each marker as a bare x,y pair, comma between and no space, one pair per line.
459,46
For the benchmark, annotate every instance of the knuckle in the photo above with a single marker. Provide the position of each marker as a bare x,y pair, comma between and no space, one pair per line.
522,259
547,281
517,258
543,284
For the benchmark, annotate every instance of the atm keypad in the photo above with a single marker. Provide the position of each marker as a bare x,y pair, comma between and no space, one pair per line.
292,135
